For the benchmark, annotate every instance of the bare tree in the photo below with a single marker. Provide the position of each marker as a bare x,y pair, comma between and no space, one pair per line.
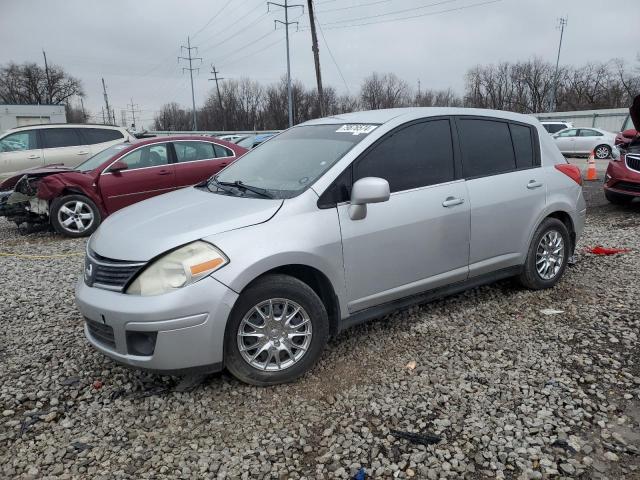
384,91
27,83
172,117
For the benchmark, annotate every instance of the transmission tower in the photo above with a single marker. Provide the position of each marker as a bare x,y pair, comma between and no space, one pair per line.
191,68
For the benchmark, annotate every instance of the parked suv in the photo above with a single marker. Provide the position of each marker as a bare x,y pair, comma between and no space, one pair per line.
326,225
68,144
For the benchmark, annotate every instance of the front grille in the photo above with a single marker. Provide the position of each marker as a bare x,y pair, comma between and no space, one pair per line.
633,162
101,333
628,186
109,274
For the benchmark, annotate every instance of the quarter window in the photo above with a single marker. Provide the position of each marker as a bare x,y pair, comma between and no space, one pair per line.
145,157
100,135
486,147
60,137
589,133
523,145
27,140
416,156
222,151
191,151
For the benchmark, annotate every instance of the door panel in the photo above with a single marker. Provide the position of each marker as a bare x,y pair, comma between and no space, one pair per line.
64,145
406,245
149,174
566,142
504,209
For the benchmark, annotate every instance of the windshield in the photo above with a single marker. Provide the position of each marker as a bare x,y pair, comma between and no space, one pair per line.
101,157
288,163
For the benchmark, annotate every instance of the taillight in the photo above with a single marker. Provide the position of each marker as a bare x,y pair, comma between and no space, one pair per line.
570,171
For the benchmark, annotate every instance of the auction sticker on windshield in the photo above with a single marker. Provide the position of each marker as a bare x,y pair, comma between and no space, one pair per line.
356,128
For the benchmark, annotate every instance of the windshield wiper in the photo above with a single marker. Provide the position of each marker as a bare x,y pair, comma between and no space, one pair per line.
219,185
242,186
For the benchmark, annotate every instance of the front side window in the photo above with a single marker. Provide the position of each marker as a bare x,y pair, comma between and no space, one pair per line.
192,151
289,163
572,132
145,157
415,156
19,141
486,147
100,135
60,137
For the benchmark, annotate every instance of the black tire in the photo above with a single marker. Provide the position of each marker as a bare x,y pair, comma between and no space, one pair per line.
88,207
617,198
530,277
601,156
276,287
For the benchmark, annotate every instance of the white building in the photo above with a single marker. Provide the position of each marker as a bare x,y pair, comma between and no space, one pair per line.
19,115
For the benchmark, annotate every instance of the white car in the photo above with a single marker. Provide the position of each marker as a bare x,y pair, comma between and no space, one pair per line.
583,141
69,144
555,127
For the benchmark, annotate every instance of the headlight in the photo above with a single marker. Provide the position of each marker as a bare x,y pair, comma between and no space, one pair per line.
178,268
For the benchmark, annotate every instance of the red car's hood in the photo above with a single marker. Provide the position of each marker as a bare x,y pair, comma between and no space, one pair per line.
9,183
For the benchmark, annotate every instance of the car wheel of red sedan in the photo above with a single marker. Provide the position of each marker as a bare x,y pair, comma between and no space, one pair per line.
74,216
617,198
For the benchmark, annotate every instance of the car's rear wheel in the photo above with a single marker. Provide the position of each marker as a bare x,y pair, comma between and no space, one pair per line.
548,254
602,151
74,216
276,331
617,198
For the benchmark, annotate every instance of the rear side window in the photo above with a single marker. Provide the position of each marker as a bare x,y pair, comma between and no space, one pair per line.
585,132
416,156
522,138
192,151
100,135
60,137
222,151
486,147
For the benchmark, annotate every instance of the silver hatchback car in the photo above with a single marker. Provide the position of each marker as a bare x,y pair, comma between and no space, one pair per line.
326,225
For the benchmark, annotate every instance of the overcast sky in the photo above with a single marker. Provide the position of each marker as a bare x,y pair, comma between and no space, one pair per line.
134,44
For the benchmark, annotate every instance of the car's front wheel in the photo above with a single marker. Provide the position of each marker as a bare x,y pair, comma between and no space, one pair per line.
276,331
74,215
602,151
548,254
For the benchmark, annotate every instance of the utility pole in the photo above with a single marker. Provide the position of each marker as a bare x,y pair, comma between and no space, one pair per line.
46,71
216,78
134,108
562,23
188,48
84,114
106,103
103,120
123,118
286,24
316,56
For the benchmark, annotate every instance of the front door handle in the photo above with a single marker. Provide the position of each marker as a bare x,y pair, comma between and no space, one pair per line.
164,172
33,157
224,164
533,184
452,201
83,152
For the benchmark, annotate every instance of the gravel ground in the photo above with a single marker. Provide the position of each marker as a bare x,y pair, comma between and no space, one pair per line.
512,392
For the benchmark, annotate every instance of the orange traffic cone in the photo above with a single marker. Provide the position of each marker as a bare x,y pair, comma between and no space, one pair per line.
592,174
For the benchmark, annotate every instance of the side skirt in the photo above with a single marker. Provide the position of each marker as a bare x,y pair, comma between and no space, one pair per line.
425,297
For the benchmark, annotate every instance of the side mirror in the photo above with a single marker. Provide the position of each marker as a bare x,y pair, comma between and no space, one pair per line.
364,191
118,166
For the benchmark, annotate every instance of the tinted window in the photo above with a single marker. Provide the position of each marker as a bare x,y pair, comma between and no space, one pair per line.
60,137
554,127
486,147
191,151
222,151
416,156
27,140
589,133
149,156
523,145
100,135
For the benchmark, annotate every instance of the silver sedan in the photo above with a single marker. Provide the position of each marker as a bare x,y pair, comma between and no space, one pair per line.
583,141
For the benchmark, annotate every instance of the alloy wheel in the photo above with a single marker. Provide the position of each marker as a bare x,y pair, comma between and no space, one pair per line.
550,255
274,335
602,152
75,216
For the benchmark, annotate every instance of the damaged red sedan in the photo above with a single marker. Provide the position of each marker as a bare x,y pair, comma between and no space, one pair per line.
76,200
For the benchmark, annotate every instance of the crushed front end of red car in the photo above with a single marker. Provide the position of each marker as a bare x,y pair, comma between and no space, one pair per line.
623,176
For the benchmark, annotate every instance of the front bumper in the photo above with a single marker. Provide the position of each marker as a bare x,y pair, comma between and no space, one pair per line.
187,325
620,179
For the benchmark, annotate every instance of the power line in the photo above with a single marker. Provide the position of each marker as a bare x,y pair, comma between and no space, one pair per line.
249,44
134,109
286,24
266,47
332,57
188,48
236,33
348,7
212,18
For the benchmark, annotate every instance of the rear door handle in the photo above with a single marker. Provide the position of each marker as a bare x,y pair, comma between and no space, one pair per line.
32,157
164,172
533,184
83,152
452,201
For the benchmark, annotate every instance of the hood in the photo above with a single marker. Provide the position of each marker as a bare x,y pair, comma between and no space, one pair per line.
11,181
149,228
634,112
